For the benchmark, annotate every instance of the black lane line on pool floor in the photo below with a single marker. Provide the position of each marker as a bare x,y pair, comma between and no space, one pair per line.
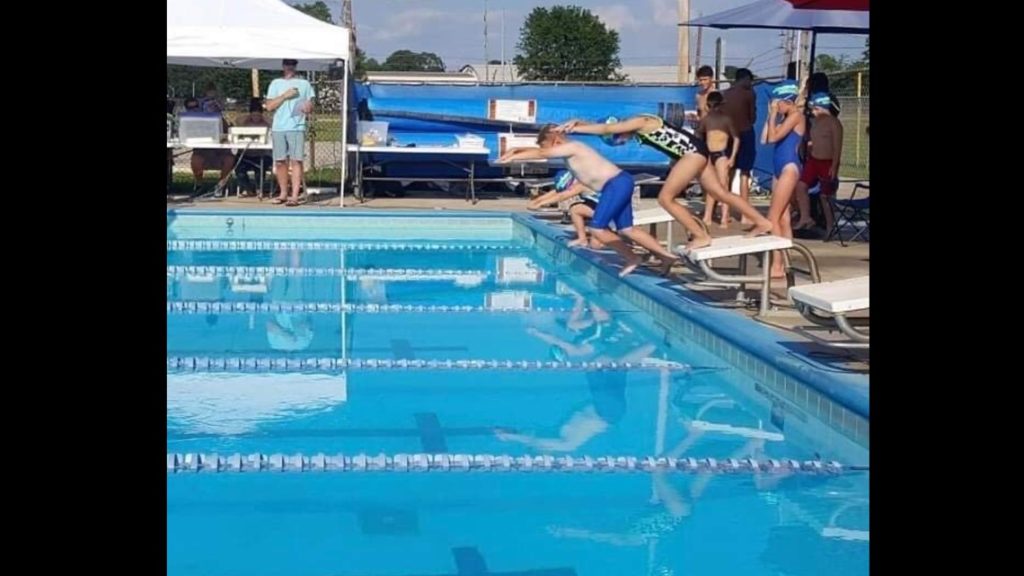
431,434
469,562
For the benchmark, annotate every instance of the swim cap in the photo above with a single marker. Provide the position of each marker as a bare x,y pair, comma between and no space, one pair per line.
614,139
563,180
785,91
821,100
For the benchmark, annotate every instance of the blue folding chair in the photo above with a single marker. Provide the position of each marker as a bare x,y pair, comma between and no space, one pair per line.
853,212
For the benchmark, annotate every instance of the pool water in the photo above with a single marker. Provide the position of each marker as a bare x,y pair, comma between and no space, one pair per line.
414,307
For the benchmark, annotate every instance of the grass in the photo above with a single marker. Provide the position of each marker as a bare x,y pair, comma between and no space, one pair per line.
326,129
850,168
851,172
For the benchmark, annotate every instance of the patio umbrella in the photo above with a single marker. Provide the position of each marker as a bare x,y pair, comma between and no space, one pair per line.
817,16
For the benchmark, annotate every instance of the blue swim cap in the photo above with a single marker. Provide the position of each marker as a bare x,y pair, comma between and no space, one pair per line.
563,180
821,100
614,139
786,91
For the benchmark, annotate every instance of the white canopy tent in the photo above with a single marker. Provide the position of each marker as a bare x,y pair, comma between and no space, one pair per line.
257,34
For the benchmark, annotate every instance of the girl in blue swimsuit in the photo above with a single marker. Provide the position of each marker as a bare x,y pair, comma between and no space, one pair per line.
785,129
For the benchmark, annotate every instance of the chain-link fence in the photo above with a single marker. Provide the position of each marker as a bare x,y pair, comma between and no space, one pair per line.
851,88
856,147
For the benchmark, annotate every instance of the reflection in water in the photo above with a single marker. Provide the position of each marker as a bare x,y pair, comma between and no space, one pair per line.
200,287
240,403
840,551
519,270
593,336
590,334
658,515
288,332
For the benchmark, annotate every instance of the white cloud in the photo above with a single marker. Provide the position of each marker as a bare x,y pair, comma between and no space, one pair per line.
617,16
666,13
407,23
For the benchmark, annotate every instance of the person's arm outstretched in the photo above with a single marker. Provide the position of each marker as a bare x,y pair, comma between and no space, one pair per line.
581,127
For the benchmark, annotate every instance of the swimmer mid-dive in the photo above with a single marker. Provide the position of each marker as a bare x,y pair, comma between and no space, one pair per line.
616,187
691,155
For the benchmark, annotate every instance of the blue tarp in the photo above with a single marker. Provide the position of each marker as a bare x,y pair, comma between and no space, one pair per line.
555,103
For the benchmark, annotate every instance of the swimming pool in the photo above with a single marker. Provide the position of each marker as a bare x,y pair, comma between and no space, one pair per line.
458,337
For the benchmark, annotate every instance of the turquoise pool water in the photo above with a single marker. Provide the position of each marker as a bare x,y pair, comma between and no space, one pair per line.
463,335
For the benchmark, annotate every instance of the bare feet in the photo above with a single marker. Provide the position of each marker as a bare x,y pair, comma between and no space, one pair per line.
760,229
698,242
578,242
707,220
804,225
628,268
596,244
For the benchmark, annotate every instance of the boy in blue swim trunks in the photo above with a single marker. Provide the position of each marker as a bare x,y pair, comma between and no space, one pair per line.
616,189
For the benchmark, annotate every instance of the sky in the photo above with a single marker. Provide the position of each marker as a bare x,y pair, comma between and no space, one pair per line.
453,29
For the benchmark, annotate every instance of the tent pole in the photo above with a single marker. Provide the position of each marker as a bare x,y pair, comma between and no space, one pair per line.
810,72
344,135
814,45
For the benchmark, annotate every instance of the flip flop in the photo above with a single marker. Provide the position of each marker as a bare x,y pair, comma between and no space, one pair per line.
278,200
292,203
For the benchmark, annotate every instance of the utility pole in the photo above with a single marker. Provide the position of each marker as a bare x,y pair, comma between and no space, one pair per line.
346,14
683,60
787,48
719,58
700,35
487,57
503,63
805,55
348,22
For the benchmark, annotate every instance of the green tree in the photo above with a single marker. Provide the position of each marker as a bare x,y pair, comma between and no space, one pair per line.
409,61
842,74
567,43
229,82
829,64
318,10
363,64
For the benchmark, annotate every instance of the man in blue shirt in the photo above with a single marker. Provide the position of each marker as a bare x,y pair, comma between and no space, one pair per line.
291,100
